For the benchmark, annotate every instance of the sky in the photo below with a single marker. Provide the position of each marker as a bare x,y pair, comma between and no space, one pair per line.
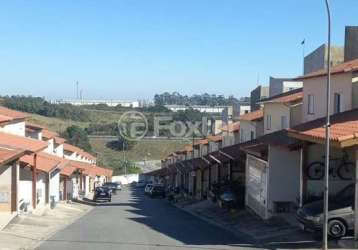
132,49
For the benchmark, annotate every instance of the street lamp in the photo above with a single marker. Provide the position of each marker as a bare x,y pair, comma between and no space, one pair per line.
327,130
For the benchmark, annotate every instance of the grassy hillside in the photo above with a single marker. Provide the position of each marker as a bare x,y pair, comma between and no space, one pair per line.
149,150
142,150
55,124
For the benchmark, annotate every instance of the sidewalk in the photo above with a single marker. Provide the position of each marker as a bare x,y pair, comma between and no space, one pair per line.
276,233
27,231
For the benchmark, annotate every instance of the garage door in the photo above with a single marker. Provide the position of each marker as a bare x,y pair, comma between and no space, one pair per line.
256,183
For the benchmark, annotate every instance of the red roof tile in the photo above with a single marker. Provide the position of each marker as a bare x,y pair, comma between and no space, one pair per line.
8,155
44,162
214,138
350,66
4,118
252,116
232,127
293,96
48,134
14,114
20,142
71,148
68,170
201,142
344,129
59,140
34,126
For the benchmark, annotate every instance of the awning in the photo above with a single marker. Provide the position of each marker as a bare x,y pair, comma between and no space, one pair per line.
22,143
344,130
9,155
44,162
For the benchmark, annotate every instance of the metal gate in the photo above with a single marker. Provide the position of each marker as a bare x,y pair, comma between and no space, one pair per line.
256,183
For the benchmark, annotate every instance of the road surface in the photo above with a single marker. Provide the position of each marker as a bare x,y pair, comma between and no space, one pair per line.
134,221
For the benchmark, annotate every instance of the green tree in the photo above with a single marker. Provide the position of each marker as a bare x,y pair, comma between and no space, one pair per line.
77,137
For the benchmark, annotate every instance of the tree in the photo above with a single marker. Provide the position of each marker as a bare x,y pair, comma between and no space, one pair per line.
78,137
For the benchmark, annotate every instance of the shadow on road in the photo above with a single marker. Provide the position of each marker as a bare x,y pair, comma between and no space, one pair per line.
161,216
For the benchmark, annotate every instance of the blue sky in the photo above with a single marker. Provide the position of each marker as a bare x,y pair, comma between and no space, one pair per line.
132,49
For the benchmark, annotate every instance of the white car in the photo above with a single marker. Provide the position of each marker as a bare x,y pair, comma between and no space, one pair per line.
147,188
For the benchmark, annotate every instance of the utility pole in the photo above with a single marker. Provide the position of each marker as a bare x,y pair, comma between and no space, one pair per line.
77,90
327,130
124,157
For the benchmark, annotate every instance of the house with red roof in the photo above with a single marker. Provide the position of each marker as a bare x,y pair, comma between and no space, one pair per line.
45,175
251,125
9,186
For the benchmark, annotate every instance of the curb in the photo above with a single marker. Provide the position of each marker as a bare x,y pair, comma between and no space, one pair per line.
237,233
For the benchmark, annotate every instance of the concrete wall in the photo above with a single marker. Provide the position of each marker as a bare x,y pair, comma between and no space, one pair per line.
276,111
282,85
351,43
55,185
5,188
341,83
50,147
316,60
58,150
284,176
256,95
296,114
17,128
316,154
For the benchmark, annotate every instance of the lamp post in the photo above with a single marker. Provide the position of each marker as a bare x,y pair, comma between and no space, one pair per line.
327,134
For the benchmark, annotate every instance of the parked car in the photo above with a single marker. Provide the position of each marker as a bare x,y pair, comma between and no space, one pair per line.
112,186
102,194
147,188
140,184
340,215
157,191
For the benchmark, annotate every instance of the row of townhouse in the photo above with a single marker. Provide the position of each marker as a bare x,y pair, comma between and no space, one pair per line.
38,168
277,152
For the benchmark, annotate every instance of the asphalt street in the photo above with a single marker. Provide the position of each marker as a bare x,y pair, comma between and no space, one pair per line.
134,221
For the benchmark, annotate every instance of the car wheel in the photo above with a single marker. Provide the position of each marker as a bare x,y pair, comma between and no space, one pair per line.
336,229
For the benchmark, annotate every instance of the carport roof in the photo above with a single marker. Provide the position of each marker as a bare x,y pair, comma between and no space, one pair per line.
44,162
344,130
8,155
22,143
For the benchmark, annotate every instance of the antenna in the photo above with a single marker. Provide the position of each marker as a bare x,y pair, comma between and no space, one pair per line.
258,79
81,97
77,90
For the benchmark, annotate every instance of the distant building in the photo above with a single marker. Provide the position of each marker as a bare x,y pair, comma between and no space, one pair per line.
317,59
261,92
111,103
203,109
283,85
351,43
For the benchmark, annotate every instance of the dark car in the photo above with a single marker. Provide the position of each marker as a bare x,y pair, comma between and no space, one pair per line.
113,187
157,191
102,194
340,215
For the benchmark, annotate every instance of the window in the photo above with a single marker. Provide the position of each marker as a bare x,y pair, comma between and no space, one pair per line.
284,123
268,122
337,103
311,103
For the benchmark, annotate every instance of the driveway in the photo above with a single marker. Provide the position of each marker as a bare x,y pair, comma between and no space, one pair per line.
134,221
